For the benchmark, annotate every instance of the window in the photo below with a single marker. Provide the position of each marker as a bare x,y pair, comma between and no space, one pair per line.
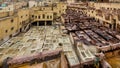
50,17
12,20
6,31
39,17
92,11
32,16
35,16
55,14
26,15
10,36
114,8
43,16
21,16
47,17
12,28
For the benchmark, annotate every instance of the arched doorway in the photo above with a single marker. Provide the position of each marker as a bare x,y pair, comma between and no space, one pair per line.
34,23
41,23
48,23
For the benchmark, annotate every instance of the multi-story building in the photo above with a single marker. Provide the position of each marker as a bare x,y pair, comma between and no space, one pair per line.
19,20
106,13
100,0
74,40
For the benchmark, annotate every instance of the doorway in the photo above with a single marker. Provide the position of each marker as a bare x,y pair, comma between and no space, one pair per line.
20,29
34,23
114,24
41,23
110,26
48,23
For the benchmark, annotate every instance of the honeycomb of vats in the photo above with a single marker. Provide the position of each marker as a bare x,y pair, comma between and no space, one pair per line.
36,40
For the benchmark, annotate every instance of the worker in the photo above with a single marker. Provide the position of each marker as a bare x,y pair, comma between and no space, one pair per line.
97,61
5,65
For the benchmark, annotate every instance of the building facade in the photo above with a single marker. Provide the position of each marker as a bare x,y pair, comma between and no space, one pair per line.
15,21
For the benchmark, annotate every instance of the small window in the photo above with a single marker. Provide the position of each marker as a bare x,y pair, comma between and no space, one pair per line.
21,16
12,20
26,15
6,31
32,16
10,36
92,11
47,17
39,17
35,16
51,17
12,28
43,16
